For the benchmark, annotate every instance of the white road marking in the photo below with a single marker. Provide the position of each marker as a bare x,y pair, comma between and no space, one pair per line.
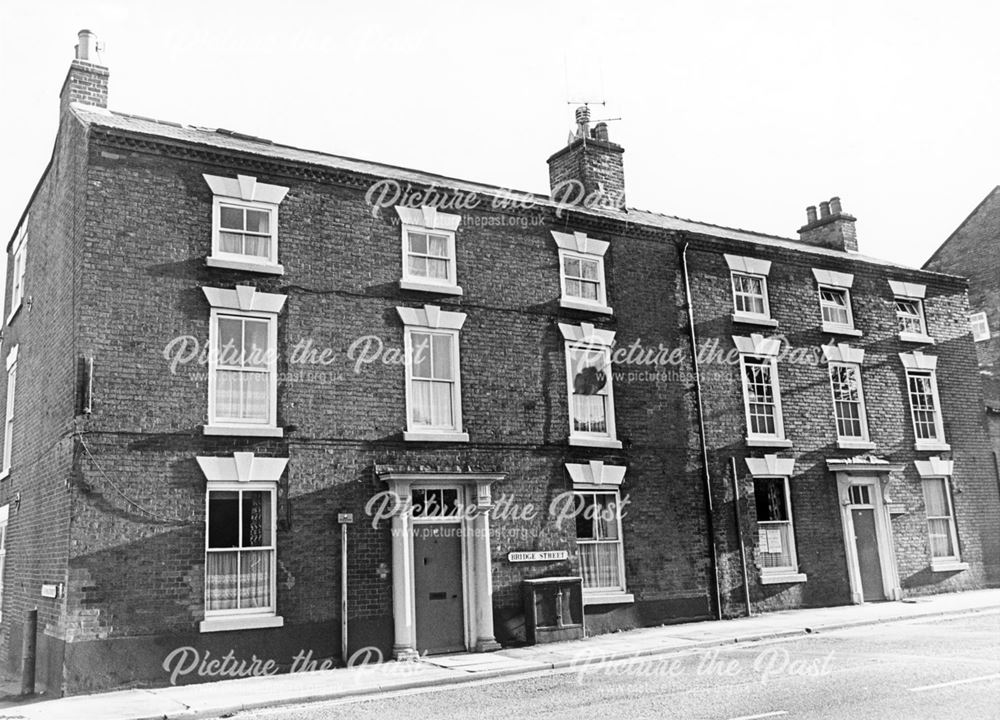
762,715
994,676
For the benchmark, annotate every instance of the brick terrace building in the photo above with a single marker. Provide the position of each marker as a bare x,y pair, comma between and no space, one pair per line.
217,345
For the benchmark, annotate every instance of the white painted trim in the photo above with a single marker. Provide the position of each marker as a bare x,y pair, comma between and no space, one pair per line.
245,298
844,354
935,467
240,622
431,317
757,345
242,467
916,360
865,438
748,265
751,317
578,303
778,438
979,325
610,438
243,430
587,333
428,217
427,436
793,550
427,220
580,243
12,357
913,291
771,466
582,441
833,329
840,280
855,444
430,287
746,319
606,598
883,530
768,442
252,261
262,267
948,566
596,473
245,188
4,513
781,578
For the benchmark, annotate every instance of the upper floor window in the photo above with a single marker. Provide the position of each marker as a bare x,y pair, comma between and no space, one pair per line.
749,281
925,404
245,224
243,362
8,427
240,541
20,250
429,260
581,272
848,397
835,301
908,299
761,394
980,326
433,377
589,386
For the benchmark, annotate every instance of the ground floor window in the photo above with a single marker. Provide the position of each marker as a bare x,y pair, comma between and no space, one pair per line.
599,539
240,551
775,536
940,519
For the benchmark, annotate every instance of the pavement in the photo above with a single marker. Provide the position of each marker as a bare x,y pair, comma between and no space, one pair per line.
221,698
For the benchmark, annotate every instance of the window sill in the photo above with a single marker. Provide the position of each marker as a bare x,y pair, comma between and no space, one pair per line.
10,318
768,442
948,566
428,436
574,304
855,445
430,287
244,430
608,598
782,578
841,330
240,622
5,474
739,317
915,338
931,446
595,442
268,268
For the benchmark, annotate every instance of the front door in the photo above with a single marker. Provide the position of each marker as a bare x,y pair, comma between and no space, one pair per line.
869,563
437,586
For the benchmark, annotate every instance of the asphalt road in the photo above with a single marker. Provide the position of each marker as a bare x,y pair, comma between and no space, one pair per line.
928,668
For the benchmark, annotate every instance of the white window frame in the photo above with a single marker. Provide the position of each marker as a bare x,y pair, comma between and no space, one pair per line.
243,471
918,364
850,440
783,573
242,487
579,246
18,265
620,589
245,192
756,269
772,365
428,220
980,326
243,303
948,561
829,280
4,526
585,337
432,320
8,428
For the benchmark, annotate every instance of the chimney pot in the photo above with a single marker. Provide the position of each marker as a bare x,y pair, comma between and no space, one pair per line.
835,206
601,132
824,210
810,215
834,229
87,48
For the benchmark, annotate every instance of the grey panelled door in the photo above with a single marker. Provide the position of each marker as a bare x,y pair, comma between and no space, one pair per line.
869,563
437,585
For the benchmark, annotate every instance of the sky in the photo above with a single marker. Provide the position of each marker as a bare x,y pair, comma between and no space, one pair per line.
737,113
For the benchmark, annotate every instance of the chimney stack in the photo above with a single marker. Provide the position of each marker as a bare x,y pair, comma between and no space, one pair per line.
87,79
833,229
589,170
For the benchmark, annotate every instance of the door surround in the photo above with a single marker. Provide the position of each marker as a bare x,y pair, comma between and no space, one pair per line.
873,473
477,581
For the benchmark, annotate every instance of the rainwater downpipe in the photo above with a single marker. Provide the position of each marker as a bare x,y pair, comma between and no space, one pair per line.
709,505
739,536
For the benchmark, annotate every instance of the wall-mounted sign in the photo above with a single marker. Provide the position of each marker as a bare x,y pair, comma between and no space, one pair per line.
897,509
52,590
538,556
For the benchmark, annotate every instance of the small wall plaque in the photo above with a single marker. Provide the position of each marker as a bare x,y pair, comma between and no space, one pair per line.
538,556
51,590
897,509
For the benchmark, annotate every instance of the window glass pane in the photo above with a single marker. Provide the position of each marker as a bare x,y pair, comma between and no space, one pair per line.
221,580
437,245
230,344
418,243
761,407
256,518
940,538
420,344
223,519
418,266
230,242
255,578
589,269
769,495
606,519
589,376
441,356
589,414
255,343
574,288
937,502
258,221
588,290
599,565
231,218
259,246
441,407
585,528
420,394
572,267
437,269
255,396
